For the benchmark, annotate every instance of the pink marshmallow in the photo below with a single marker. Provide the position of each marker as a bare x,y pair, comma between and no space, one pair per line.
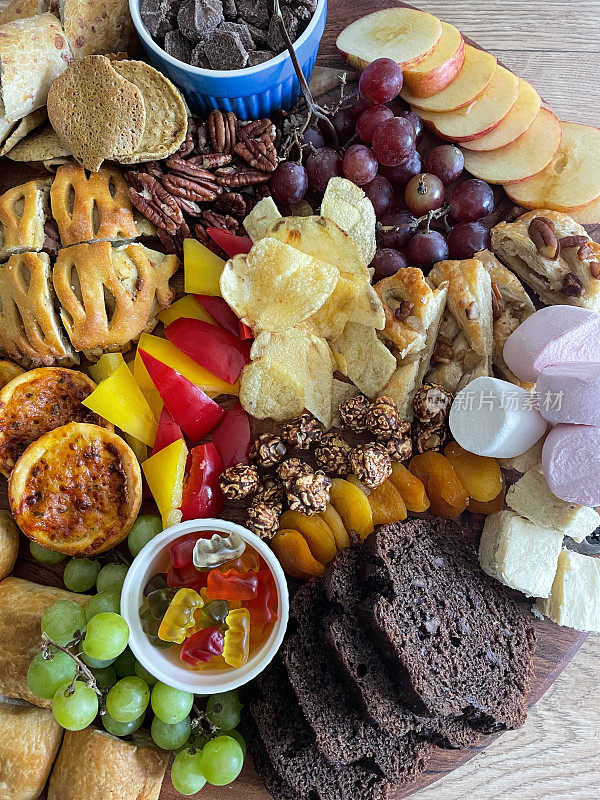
553,335
571,463
570,393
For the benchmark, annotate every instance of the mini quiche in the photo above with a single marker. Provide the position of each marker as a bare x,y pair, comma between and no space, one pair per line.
37,402
76,490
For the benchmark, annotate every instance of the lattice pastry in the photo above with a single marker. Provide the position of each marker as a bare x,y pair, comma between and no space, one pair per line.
23,212
463,350
89,208
30,332
110,295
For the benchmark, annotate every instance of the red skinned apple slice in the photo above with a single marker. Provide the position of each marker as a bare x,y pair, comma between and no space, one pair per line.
476,73
514,124
480,116
526,156
586,215
403,34
571,180
440,68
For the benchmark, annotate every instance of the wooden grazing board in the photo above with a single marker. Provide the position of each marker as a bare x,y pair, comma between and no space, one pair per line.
555,646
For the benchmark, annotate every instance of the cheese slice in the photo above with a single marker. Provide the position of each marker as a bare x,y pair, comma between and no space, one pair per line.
575,597
525,461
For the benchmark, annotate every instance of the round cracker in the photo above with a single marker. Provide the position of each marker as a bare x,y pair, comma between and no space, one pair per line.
166,116
96,112
41,145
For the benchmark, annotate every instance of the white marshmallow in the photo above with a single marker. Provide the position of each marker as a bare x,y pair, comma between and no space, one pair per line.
490,417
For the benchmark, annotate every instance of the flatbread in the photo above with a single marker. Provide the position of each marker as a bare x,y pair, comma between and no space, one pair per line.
41,145
97,27
24,127
33,53
22,9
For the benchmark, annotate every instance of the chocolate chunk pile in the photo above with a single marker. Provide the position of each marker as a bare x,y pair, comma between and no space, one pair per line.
224,34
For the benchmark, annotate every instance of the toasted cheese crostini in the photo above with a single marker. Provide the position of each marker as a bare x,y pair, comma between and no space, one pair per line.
76,490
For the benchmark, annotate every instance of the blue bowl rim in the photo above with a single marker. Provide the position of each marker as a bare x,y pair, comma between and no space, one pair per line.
134,8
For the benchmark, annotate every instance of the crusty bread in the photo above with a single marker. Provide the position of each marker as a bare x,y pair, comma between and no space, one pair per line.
23,212
98,27
9,543
42,144
22,9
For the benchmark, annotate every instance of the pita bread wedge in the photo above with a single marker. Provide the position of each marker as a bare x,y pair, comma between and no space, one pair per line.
25,126
33,53
166,116
96,113
98,27
42,144
22,9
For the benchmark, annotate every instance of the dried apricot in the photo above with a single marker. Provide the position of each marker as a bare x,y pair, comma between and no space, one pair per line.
481,476
294,554
336,525
447,496
410,487
387,504
317,533
491,506
353,507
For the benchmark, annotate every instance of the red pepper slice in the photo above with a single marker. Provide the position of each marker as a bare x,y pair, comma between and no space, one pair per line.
263,607
187,576
202,496
191,408
231,585
245,331
232,437
229,242
202,646
168,431
181,551
215,349
218,309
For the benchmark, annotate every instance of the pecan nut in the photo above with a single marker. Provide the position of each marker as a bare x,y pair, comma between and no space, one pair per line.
154,202
543,234
496,302
186,147
260,154
585,252
214,160
572,241
222,130
472,311
173,242
201,191
257,128
442,353
188,169
572,286
235,177
404,310
231,203
224,221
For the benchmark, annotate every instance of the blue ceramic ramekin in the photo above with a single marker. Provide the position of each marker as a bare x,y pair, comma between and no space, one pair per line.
251,93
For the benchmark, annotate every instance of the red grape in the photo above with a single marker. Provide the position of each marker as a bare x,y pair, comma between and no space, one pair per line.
467,238
387,262
381,81
360,165
322,165
471,201
312,137
426,248
415,120
289,183
344,124
370,119
402,226
393,141
445,161
359,106
400,175
424,193
380,193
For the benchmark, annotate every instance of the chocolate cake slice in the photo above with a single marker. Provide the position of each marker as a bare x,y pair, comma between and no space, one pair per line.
462,645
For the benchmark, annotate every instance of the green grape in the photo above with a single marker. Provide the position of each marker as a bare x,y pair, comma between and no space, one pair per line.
145,528
80,574
186,775
121,728
106,636
170,737
239,739
45,676
127,699
101,602
62,620
45,556
105,677
171,705
222,760
125,664
223,710
143,673
77,710
95,663
111,577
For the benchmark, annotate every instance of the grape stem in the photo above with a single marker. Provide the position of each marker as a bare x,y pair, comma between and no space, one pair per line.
82,667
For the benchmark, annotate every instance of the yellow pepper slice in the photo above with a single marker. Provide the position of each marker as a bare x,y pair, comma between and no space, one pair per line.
120,400
165,472
149,390
106,365
201,268
188,308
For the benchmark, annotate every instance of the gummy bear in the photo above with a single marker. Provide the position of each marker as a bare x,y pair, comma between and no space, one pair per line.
181,552
202,646
150,626
179,616
231,585
159,600
237,637
218,550
263,607
187,576
248,562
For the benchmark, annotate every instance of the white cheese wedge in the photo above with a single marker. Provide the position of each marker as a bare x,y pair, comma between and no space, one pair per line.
264,213
575,597
519,553
528,460
531,497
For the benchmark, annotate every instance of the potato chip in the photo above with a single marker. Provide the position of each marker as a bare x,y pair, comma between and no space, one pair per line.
266,390
264,213
352,300
340,392
363,358
346,204
323,239
276,287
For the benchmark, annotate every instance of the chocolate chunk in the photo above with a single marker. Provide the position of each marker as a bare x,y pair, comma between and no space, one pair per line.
258,34
275,39
303,9
157,16
197,19
256,12
177,46
242,31
225,50
230,10
259,57
198,57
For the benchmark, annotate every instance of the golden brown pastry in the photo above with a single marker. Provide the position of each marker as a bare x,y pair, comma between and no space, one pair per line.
93,765
553,254
29,741
87,208
8,371
9,543
463,350
30,332
77,490
23,212
40,401
22,606
110,295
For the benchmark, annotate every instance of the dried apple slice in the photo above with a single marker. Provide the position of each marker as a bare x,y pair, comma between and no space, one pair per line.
404,34
476,73
571,180
440,68
526,156
586,215
514,124
480,116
